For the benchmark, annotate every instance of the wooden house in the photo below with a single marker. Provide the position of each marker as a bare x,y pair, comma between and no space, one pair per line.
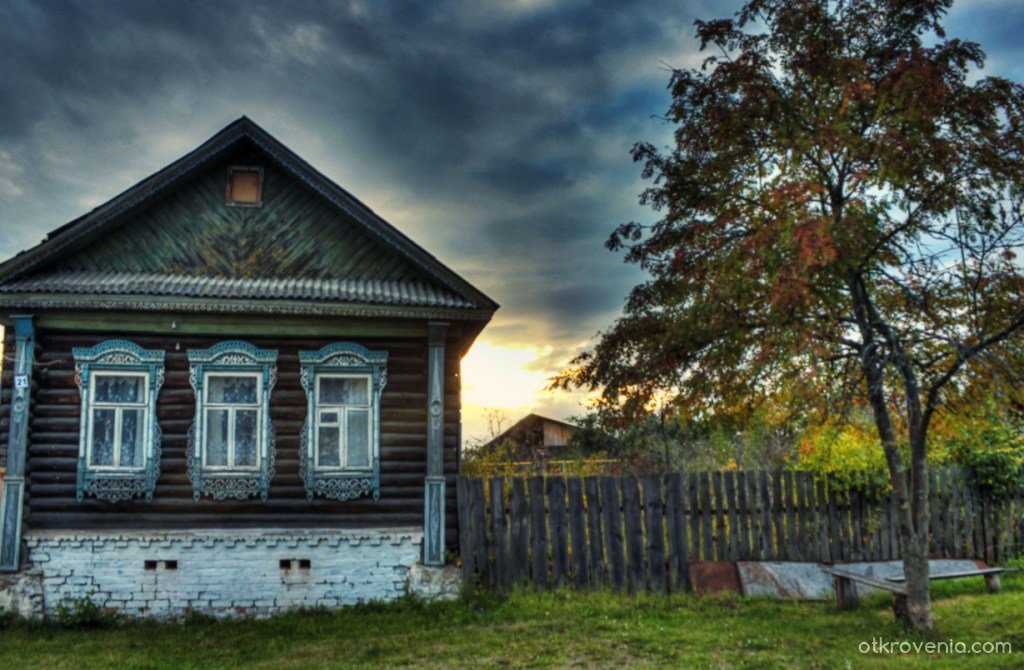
231,388
533,438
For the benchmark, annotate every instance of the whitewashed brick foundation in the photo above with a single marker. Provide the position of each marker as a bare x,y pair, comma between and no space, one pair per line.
226,572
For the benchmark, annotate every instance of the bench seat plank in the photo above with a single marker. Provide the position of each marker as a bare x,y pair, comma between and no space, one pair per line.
981,572
898,589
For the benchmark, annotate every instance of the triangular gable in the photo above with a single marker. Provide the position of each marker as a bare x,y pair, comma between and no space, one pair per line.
175,224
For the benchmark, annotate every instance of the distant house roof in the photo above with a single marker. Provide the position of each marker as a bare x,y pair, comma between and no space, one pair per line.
170,243
534,430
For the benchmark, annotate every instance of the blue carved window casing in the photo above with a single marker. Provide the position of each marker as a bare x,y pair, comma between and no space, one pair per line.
119,437
339,455
231,442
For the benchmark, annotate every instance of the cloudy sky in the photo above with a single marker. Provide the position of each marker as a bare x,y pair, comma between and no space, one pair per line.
496,134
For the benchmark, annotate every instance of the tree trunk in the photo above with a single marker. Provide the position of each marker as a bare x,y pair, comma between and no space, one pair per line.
914,539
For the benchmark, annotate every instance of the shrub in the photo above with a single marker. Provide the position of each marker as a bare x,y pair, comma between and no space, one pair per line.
848,456
83,613
993,449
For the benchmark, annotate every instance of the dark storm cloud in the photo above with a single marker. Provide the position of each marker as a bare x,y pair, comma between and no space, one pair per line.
495,133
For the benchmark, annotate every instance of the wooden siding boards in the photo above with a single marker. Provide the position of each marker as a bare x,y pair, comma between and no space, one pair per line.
54,438
294,234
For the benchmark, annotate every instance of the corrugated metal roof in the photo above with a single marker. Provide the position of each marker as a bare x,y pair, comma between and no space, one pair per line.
157,284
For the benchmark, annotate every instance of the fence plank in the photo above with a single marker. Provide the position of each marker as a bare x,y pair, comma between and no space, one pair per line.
706,520
754,505
479,515
613,532
743,512
578,527
789,500
559,534
824,530
499,533
694,509
719,506
767,519
675,520
538,533
955,485
598,569
634,534
801,503
465,531
654,531
519,532
733,517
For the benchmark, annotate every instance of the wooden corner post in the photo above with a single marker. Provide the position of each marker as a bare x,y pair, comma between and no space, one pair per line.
12,495
434,489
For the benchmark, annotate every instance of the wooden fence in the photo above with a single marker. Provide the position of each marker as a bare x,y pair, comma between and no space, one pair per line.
641,533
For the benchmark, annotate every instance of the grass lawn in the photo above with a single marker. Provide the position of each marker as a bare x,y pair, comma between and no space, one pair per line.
548,629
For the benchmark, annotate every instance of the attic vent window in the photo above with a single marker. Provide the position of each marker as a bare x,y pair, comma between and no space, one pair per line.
245,186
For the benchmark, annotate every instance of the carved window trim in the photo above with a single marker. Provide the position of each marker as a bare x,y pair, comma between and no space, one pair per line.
242,358
345,359
120,358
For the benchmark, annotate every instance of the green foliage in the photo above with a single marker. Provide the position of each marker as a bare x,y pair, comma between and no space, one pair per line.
849,457
994,450
84,613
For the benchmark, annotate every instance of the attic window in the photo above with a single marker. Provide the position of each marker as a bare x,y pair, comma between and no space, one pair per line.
245,186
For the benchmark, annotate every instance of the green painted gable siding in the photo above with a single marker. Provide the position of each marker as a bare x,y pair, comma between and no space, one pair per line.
296,233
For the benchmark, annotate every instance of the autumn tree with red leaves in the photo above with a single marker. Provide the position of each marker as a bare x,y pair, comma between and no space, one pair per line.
841,213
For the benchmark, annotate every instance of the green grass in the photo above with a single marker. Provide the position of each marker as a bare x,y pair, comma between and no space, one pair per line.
546,629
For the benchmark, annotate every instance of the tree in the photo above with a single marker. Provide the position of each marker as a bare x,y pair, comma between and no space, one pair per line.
840,213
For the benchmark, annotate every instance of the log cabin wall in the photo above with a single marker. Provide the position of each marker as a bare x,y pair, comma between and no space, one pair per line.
54,433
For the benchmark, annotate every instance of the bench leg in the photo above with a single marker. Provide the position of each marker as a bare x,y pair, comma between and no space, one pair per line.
993,582
846,593
899,606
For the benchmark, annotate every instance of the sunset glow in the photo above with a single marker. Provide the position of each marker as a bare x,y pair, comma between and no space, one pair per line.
511,380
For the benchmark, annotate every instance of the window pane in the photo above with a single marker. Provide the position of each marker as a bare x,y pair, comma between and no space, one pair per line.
217,437
329,417
342,391
327,442
103,437
131,438
245,437
358,443
232,390
111,388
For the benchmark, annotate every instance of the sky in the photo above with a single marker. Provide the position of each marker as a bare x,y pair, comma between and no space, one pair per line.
496,134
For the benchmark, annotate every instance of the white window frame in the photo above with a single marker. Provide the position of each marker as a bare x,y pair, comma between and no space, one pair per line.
341,360
118,408
232,408
232,358
118,358
342,423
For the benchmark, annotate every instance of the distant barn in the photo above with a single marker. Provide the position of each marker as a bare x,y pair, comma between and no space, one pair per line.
235,389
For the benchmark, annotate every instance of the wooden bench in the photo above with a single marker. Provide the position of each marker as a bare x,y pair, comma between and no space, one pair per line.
846,589
991,575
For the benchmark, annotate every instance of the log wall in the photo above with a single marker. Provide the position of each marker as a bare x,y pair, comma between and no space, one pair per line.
54,429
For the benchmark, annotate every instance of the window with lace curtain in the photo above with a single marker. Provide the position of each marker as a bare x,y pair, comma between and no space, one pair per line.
119,445
231,444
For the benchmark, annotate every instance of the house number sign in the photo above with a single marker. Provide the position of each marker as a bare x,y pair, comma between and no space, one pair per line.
21,381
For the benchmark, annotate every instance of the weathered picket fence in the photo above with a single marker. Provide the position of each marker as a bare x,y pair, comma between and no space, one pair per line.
641,533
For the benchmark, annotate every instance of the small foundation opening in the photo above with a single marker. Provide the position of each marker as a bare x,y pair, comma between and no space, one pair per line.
149,565
305,564
170,565
285,564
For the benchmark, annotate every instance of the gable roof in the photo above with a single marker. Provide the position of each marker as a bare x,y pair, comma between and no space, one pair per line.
425,283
